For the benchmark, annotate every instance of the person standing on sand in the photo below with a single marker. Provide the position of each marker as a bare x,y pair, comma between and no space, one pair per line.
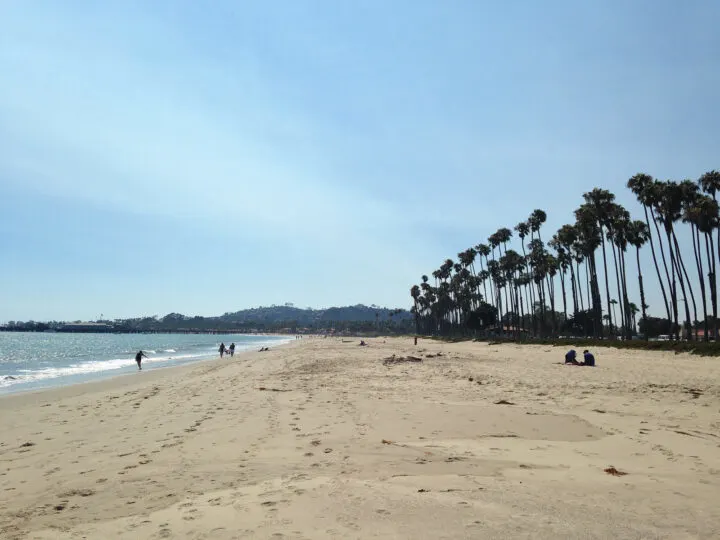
415,340
222,349
138,359
232,349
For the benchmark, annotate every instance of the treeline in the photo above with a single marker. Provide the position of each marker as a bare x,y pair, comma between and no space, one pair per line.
494,289
361,319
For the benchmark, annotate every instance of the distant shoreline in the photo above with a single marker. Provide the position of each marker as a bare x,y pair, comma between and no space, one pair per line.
210,332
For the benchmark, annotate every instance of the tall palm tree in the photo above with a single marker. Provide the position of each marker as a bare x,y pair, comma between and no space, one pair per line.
642,185
535,221
523,230
567,238
562,265
483,251
638,235
668,207
701,212
503,236
613,303
601,203
634,311
617,235
589,239
710,184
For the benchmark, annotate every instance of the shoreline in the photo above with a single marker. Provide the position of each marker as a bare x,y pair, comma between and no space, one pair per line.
109,375
325,439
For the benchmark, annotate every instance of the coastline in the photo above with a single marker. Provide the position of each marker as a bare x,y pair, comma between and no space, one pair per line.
94,365
109,380
325,439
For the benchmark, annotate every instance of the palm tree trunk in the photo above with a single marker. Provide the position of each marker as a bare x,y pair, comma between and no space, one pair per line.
710,254
685,279
697,251
579,287
671,282
573,285
607,281
596,299
551,293
617,280
673,290
626,301
642,289
564,297
657,267
532,299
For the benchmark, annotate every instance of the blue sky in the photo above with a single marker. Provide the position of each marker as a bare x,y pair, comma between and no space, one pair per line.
204,157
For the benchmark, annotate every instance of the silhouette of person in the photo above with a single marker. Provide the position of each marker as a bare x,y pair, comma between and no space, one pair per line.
222,349
232,349
138,358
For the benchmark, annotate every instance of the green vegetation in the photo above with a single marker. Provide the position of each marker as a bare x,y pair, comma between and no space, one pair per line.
356,319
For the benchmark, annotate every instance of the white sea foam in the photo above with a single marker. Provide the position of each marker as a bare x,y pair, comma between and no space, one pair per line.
43,373
87,368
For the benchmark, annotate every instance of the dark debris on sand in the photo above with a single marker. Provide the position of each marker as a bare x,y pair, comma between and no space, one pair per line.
390,360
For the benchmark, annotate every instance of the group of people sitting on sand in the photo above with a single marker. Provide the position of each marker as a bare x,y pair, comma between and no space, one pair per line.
588,358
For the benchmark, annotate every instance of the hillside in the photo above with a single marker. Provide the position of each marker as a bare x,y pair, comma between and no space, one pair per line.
272,318
277,314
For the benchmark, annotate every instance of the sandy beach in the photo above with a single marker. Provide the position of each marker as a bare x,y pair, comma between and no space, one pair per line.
322,439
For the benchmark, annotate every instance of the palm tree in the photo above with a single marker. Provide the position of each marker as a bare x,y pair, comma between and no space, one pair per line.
483,250
634,311
589,239
503,236
617,235
668,207
415,294
691,215
638,234
642,185
535,221
601,203
562,265
710,184
523,229
613,303
567,238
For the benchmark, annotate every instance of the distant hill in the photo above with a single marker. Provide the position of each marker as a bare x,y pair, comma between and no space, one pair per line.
359,318
309,316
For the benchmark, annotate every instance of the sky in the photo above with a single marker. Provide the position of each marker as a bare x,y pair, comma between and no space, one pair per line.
179,156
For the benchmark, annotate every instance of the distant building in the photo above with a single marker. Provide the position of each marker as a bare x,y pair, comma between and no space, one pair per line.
85,327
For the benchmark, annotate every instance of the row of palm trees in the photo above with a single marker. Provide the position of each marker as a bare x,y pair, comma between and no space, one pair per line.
494,287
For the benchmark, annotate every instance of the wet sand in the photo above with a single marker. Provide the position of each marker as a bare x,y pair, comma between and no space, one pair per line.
321,439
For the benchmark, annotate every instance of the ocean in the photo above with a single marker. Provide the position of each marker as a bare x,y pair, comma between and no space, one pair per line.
34,360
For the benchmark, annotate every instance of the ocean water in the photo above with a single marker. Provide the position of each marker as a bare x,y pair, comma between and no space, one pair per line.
33,360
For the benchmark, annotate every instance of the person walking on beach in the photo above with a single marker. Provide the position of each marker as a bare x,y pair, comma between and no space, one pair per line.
138,359
222,349
232,349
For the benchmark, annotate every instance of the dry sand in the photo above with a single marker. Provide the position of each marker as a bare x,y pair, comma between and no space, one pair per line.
351,448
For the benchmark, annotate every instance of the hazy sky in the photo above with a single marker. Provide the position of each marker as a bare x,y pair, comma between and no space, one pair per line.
203,157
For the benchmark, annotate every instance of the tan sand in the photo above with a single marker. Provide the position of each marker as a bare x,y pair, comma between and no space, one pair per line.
351,448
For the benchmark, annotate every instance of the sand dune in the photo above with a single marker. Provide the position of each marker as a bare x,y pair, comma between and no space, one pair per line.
479,442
